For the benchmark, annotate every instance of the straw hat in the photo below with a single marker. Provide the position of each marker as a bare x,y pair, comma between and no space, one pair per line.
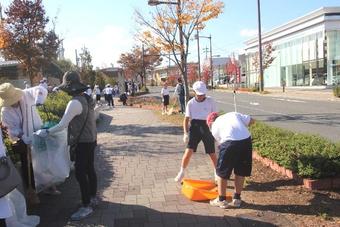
9,94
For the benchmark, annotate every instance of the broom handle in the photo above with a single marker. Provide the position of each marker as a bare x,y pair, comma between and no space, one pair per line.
29,166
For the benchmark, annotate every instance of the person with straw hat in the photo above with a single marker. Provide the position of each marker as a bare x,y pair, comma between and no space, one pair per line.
79,118
19,115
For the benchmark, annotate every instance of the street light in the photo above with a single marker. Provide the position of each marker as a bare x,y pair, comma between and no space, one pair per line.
260,45
155,3
181,40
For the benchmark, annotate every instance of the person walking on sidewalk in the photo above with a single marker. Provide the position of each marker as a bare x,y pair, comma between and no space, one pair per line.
197,110
179,90
165,98
235,153
82,134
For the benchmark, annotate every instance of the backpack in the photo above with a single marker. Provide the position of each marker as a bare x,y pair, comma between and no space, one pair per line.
181,91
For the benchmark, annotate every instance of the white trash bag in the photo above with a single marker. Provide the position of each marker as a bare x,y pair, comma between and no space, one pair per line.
50,159
18,206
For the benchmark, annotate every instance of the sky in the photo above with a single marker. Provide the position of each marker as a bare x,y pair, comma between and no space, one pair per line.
107,27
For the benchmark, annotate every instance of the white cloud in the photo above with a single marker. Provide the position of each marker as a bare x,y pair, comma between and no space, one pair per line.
248,32
105,46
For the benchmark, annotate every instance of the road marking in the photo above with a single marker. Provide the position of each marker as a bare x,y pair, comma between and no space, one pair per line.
289,100
254,103
252,108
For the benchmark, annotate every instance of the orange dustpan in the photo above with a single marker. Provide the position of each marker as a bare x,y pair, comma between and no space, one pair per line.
200,190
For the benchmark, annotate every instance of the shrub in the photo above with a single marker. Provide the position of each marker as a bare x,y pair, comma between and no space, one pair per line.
308,155
54,107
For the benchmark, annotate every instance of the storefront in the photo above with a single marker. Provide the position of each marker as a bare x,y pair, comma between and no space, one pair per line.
306,52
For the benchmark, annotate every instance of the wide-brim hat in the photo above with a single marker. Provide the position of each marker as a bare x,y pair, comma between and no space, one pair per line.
199,88
71,83
9,94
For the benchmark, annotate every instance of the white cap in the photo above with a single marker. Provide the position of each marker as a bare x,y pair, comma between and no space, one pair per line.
199,88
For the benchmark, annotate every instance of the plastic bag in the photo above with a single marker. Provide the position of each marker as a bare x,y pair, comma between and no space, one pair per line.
52,165
18,206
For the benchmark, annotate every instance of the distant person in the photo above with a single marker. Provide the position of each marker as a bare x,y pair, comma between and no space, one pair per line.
89,91
123,97
180,92
197,110
231,132
98,93
165,98
80,120
26,84
109,95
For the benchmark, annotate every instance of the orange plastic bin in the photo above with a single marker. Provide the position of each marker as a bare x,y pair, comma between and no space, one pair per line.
201,190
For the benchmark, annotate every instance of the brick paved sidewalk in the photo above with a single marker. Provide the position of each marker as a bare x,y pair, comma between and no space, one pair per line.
137,158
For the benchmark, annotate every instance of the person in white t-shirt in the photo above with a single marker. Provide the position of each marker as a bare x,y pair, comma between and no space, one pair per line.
196,112
231,132
165,98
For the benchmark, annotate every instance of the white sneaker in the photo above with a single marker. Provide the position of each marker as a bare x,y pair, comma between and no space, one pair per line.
236,203
179,177
82,213
217,203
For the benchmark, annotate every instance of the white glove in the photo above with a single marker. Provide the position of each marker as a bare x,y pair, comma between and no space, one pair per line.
42,132
185,137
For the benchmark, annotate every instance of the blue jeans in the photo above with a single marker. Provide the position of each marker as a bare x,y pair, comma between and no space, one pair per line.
181,100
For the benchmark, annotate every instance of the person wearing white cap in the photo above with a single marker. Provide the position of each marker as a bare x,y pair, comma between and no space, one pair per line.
196,112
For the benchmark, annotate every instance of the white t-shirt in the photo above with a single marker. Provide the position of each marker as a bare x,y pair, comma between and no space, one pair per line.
231,126
200,110
165,91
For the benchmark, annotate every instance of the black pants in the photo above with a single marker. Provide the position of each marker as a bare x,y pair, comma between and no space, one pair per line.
110,100
85,172
2,222
21,148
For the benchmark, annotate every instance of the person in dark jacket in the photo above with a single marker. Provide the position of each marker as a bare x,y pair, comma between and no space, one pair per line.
79,117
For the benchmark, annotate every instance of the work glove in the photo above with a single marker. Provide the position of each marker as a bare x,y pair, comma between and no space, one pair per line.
41,132
185,138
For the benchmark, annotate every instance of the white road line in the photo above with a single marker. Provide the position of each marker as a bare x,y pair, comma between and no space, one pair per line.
289,100
252,108
254,103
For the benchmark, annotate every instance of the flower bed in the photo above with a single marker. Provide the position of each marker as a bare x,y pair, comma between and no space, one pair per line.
306,158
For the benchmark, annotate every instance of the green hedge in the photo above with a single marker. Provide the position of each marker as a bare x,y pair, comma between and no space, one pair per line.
307,155
55,106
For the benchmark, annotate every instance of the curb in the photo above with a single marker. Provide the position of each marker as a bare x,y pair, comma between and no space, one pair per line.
318,184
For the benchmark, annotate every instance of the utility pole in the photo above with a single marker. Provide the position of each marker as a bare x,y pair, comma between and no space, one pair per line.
260,45
77,59
211,65
143,68
199,54
205,51
1,18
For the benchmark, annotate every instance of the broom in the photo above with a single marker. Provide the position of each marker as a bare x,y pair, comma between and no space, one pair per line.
32,196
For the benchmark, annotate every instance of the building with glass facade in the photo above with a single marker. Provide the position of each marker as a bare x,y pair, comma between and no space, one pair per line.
306,51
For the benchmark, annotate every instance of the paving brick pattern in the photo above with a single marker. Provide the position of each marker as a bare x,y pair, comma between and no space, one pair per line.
137,158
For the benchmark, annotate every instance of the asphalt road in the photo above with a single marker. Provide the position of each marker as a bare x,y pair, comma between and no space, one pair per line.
298,115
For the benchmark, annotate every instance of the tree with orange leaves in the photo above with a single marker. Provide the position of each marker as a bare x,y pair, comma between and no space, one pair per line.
172,25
